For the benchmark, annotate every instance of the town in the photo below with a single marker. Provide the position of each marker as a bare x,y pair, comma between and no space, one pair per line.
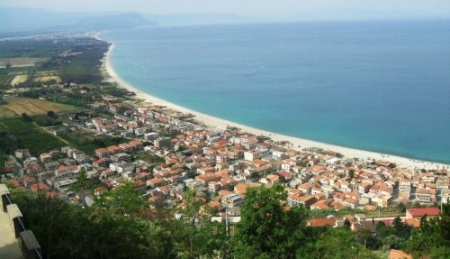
219,165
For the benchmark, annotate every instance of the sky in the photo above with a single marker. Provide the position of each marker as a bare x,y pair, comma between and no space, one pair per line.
252,8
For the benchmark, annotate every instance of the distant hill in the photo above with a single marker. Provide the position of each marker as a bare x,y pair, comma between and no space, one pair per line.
41,20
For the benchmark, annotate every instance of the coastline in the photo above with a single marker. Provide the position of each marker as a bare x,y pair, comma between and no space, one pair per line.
214,122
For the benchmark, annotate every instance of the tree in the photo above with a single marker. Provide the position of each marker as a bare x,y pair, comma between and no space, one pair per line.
391,242
347,223
123,201
401,207
403,230
351,173
254,176
334,243
26,117
8,65
52,114
268,229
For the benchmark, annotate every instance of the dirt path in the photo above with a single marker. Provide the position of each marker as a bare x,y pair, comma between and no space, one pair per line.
49,132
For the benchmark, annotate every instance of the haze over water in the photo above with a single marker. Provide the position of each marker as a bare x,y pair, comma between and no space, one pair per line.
377,86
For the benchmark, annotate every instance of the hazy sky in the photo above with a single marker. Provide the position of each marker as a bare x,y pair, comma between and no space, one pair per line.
261,8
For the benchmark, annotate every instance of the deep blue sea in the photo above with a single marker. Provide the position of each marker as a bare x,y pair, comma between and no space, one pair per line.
377,86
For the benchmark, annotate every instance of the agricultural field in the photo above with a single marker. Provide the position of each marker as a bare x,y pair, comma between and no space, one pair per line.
32,107
6,79
19,79
21,61
7,113
18,133
7,75
47,78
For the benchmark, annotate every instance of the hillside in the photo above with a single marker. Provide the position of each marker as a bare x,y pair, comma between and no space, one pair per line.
15,21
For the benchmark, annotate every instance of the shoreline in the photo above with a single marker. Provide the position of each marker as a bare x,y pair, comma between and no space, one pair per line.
214,122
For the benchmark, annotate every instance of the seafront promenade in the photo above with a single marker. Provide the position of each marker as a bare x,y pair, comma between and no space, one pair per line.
9,246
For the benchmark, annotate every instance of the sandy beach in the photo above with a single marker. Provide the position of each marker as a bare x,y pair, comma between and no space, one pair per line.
213,122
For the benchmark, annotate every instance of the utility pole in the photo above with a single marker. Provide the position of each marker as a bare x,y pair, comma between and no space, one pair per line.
226,218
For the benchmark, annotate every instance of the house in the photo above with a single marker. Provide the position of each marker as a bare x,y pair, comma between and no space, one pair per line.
385,163
320,205
125,147
45,157
62,185
383,200
121,157
206,178
107,173
213,187
321,222
404,188
241,188
28,181
139,132
270,179
22,153
64,171
420,212
155,182
426,195
38,187
205,169
136,144
306,187
162,142
102,152
297,199
252,155
232,200
349,202
286,175
113,149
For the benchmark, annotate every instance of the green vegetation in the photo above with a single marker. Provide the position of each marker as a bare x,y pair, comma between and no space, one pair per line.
23,133
88,142
33,48
8,74
121,224
84,68
149,158
80,63
84,183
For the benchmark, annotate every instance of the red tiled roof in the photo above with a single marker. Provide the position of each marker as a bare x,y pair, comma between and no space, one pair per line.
419,212
321,222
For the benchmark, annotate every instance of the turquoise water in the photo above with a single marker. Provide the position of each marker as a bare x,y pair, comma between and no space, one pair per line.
378,86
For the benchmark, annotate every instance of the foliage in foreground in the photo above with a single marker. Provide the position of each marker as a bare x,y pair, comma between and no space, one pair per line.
122,225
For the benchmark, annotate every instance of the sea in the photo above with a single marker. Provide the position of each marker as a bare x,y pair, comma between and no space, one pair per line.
380,86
